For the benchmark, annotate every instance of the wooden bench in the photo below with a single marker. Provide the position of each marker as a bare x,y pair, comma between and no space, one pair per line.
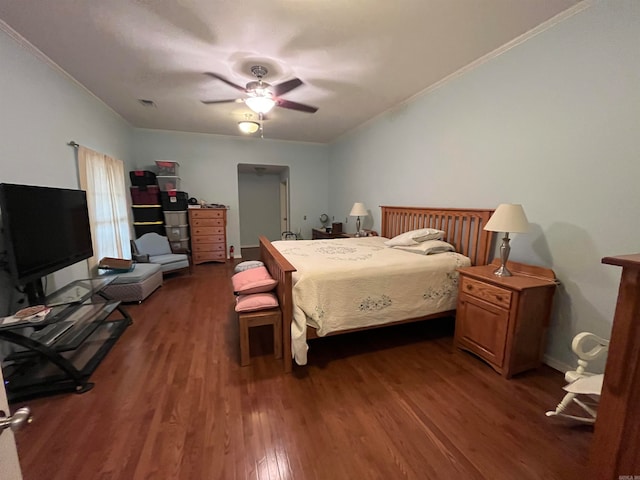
272,316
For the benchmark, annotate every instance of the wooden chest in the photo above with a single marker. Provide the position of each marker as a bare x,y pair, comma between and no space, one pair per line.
208,234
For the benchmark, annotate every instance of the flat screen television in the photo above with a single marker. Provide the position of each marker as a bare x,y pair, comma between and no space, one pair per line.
45,229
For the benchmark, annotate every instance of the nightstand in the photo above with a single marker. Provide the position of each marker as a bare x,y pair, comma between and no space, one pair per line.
504,320
317,234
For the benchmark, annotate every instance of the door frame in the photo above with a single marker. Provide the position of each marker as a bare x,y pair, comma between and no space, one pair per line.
284,206
8,450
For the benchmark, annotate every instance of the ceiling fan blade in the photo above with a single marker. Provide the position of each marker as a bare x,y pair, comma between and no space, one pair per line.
211,102
228,82
296,106
285,87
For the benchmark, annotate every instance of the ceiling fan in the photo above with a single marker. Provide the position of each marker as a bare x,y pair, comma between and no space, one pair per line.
261,97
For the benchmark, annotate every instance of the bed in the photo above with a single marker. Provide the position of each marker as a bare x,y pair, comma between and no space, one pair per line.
306,311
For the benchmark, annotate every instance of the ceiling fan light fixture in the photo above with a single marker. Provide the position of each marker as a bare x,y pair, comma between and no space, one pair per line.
248,126
260,104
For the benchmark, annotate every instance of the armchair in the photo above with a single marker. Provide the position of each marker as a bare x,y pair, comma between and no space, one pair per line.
154,248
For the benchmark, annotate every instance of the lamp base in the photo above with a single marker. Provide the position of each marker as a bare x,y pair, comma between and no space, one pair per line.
504,256
502,272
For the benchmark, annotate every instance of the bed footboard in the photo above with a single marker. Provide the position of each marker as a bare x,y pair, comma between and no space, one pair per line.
280,269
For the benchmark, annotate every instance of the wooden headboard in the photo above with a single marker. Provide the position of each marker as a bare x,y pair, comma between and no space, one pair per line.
463,227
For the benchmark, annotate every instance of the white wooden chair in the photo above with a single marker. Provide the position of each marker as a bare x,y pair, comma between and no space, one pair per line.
583,387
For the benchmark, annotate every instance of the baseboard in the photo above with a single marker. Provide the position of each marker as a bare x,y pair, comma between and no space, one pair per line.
557,365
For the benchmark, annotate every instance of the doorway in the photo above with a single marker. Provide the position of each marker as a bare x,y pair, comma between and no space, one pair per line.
263,200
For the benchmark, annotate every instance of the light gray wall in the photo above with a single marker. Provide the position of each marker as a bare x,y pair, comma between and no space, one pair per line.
41,110
553,124
259,203
209,170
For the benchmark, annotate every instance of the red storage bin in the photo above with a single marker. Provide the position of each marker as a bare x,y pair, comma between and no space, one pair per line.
149,195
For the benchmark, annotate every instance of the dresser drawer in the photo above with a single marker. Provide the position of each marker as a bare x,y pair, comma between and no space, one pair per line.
197,213
484,291
199,257
196,231
209,247
207,222
208,239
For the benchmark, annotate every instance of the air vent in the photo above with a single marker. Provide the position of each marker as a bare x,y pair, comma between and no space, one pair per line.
147,103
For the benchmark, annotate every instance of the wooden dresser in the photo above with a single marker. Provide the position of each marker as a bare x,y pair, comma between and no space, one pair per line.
615,448
504,320
208,234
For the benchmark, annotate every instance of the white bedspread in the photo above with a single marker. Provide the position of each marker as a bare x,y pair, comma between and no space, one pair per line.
356,282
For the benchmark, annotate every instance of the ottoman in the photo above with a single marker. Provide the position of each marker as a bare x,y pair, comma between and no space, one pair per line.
136,285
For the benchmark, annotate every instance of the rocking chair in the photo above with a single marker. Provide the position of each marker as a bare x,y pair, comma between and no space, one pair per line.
583,387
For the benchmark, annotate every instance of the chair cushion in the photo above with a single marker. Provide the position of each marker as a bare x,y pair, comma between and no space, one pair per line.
254,280
171,261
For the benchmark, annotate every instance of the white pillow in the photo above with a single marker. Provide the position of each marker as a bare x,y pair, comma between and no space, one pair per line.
429,247
414,237
242,266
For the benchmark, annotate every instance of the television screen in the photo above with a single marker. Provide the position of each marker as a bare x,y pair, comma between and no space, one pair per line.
45,229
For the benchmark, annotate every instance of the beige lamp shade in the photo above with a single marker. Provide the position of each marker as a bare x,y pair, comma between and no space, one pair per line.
359,210
508,218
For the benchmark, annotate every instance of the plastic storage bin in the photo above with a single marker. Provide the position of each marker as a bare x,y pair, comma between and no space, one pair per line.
176,218
178,232
142,178
180,245
147,227
168,183
147,213
145,195
174,200
167,167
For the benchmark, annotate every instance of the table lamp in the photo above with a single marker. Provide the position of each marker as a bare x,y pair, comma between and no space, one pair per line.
358,210
507,218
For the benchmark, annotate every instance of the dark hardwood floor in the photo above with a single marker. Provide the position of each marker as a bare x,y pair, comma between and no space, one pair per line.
171,402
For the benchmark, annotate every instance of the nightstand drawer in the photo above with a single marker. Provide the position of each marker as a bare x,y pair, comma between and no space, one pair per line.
484,291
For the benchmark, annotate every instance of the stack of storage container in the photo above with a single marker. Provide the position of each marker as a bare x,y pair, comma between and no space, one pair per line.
174,205
145,202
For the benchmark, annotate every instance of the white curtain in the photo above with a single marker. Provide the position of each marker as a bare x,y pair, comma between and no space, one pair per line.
102,177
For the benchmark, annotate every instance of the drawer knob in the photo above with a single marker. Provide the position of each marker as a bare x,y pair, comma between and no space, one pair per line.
499,298
469,287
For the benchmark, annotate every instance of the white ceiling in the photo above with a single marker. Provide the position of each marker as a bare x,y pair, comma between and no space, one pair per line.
357,58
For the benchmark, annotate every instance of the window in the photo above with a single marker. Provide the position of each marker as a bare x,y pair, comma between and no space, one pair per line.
102,177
